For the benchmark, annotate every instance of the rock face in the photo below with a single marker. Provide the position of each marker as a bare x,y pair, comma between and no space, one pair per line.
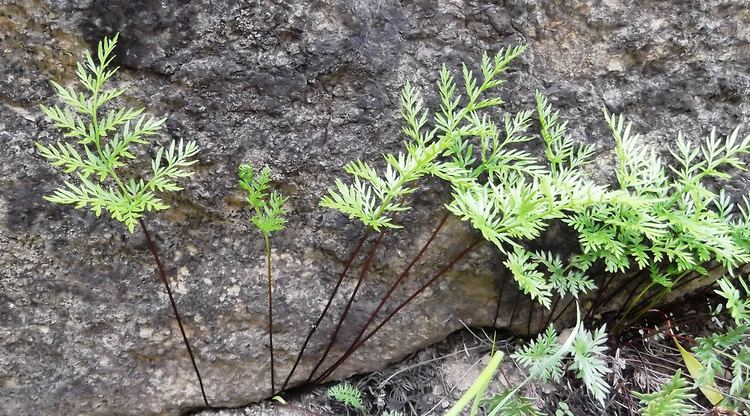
303,86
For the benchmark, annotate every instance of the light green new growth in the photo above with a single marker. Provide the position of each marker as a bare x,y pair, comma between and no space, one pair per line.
542,359
269,208
588,350
517,205
512,405
536,356
347,395
729,352
374,197
98,149
672,399
686,224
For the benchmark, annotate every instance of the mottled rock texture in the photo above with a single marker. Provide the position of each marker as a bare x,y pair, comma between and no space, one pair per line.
303,86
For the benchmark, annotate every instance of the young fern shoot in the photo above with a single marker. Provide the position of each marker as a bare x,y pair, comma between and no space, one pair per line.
99,157
268,217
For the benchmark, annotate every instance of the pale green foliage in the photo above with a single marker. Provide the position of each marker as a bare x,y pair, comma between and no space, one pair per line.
563,155
729,352
542,358
517,203
536,356
737,299
685,225
269,207
512,405
374,197
588,350
526,268
347,395
672,399
99,147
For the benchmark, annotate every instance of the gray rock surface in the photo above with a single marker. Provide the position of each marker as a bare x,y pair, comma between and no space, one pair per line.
303,86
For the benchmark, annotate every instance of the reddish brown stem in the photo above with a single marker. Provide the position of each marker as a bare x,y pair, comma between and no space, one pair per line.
163,276
362,275
401,278
408,300
347,265
270,311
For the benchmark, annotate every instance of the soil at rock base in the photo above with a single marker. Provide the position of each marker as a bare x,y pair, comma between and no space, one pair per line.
430,381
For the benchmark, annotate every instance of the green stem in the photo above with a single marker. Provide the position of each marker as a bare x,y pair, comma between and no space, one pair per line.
97,137
478,388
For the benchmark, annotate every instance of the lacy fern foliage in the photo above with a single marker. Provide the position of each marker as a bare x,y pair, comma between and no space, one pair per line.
268,207
374,197
98,147
672,399
347,395
541,357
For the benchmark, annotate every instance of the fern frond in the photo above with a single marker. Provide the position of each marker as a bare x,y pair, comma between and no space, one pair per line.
671,400
102,147
268,207
347,395
588,350
536,356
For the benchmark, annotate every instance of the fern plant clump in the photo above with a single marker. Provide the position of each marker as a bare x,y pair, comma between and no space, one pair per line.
98,154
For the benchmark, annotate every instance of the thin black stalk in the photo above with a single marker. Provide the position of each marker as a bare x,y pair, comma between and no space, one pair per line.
362,275
570,302
401,278
552,311
497,305
515,309
531,315
421,289
270,310
638,284
163,277
599,296
315,326
639,275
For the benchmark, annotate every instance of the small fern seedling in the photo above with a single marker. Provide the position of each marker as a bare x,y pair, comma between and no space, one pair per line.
672,399
268,217
541,357
347,395
728,352
98,156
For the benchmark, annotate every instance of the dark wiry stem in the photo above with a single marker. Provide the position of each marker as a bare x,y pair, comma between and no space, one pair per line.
599,296
567,305
515,309
552,311
362,275
270,311
163,276
421,289
347,265
497,305
531,315
395,284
